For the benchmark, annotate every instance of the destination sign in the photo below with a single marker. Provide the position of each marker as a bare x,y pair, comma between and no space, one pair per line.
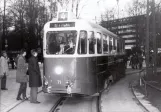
64,24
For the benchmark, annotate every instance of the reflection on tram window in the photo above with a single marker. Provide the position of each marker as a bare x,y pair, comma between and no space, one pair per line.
99,43
82,46
118,47
110,44
105,44
92,42
61,42
114,44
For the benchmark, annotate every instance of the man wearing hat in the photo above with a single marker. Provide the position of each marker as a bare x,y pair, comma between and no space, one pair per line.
3,70
34,76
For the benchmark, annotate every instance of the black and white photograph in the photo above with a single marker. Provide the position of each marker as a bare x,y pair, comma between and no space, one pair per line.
80,55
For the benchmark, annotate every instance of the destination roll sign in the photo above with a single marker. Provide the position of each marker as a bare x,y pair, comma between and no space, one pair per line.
64,24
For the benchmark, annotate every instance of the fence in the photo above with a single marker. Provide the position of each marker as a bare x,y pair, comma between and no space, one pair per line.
145,83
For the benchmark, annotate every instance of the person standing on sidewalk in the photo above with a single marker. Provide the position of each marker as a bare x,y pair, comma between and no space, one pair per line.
21,76
140,61
34,76
4,69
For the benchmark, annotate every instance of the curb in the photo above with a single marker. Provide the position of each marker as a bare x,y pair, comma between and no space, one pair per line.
144,103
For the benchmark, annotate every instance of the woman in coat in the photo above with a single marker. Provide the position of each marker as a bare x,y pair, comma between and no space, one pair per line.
21,76
34,76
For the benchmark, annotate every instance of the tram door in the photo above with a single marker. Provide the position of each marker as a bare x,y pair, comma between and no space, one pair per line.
91,73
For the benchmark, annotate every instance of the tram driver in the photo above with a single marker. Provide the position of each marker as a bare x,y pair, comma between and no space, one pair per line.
69,48
61,44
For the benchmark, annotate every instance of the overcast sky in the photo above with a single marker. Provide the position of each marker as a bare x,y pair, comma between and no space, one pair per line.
95,9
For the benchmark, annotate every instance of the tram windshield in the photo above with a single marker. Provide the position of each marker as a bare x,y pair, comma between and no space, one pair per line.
61,42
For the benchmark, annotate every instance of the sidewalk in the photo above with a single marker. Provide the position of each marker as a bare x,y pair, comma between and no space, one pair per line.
8,97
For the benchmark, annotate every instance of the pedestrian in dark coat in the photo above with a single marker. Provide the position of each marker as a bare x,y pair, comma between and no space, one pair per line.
21,76
140,61
34,76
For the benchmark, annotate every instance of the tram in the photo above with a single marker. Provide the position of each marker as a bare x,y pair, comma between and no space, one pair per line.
80,57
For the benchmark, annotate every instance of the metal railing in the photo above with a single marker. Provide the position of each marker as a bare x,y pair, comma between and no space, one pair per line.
143,82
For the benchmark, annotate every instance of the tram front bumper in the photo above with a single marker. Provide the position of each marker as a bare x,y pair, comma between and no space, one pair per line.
59,90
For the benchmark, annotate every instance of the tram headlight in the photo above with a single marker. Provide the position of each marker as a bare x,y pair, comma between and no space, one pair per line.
58,70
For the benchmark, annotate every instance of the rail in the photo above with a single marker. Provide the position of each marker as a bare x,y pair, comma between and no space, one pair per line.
56,108
145,83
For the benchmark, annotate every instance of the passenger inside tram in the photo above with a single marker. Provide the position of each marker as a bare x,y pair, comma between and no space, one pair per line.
61,42
82,47
92,43
69,48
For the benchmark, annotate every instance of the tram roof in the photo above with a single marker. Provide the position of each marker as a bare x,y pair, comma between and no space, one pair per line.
96,26
88,25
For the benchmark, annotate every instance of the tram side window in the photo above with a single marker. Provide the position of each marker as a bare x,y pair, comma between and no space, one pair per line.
82,46
118,46
92,42
110,44
114,44
123,46
99,43
105,44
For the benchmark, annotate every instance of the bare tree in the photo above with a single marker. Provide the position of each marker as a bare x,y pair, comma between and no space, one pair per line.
29,19
109,14
78,6
75,6
138,7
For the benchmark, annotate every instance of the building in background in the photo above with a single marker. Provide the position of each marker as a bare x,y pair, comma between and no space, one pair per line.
131,29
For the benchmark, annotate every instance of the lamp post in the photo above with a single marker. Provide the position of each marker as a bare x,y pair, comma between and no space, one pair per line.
154,37
147,39
4,23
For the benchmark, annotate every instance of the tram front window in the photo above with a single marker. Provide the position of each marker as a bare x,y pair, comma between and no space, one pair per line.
61,42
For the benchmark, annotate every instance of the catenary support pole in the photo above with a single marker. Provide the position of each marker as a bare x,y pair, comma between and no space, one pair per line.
147,40
154,38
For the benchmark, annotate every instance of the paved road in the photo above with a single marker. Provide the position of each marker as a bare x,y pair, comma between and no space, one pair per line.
8,98
47,102
120,97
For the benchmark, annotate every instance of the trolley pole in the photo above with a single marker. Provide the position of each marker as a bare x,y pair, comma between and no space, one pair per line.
147,40
154,38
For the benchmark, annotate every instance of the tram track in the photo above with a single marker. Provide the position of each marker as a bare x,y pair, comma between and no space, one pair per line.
58,104
80,104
